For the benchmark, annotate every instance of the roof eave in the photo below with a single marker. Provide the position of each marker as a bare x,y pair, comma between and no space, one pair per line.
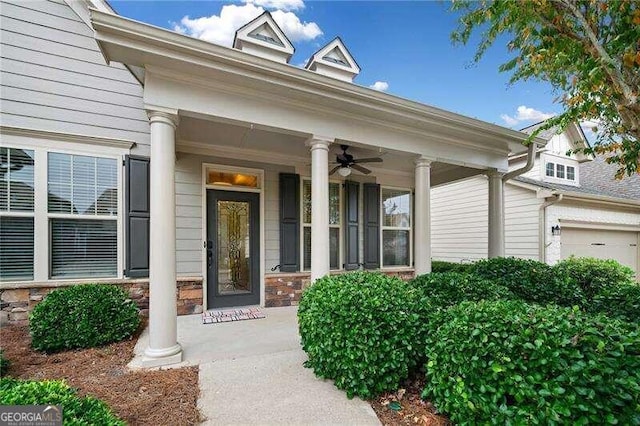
109,28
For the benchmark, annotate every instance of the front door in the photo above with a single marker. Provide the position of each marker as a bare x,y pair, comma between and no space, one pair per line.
233,248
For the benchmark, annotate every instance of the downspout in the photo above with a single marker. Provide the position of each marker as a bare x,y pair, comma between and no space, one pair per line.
542,223
531,160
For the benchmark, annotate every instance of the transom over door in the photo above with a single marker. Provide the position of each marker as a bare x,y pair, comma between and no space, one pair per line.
621,246
233,248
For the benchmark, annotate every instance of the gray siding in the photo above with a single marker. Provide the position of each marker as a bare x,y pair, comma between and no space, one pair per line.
189,205
54,77
459,221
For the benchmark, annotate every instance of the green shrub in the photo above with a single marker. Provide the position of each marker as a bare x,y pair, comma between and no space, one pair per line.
438,266
620,301
359,330
530,280
75,410
594,275
81,317
4,364
447,289
508,362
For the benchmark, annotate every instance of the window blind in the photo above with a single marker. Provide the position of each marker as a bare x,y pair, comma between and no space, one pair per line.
16,248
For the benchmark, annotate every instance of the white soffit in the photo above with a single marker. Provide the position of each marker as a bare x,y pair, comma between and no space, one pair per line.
263,37
334,60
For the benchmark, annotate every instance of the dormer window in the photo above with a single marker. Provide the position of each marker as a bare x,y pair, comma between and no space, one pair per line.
560,171
263,37
334,60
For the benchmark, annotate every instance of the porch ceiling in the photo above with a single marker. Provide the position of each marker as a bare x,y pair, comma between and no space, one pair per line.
245,141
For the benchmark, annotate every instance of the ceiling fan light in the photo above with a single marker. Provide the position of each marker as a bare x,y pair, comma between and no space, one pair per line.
344,171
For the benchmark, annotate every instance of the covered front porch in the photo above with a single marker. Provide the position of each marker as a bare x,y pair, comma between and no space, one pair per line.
220,118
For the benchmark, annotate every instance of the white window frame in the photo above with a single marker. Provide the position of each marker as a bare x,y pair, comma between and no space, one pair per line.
559,161
31,214
396,228
42,145
304,224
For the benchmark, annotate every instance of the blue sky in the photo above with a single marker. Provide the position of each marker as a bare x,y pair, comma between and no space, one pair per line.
400,44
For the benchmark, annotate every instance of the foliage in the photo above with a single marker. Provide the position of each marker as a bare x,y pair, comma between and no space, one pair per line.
593,275
530,280
442,266
359,330
620,301
508,362
4,364
75,409
587,50
81,317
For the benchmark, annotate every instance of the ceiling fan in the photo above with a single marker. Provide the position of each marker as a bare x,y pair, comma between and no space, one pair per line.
346,162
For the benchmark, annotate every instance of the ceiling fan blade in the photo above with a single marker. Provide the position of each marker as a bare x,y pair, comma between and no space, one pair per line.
335,169
360,169
368,160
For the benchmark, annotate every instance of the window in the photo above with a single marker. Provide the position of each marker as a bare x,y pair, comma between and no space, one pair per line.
16,214
550,169
215,177
560,171
571,173
396,227
334,224
83,208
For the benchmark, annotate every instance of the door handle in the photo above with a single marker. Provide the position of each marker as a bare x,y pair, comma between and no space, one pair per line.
209,254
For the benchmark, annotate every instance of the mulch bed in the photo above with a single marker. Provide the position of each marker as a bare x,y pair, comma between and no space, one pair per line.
406,407
139,398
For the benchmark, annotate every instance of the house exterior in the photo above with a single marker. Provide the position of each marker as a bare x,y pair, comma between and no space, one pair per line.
565,205
198,176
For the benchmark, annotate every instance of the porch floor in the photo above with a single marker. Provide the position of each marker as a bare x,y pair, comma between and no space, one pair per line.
251,373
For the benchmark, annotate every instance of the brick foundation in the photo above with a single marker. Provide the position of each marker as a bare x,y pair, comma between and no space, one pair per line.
285,289
17,301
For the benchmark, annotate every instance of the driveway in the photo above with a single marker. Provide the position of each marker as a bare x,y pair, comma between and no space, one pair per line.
251,373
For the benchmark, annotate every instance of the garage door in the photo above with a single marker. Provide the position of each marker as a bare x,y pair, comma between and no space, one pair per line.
601,244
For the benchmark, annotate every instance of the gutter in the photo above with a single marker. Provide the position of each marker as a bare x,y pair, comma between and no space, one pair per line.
542,222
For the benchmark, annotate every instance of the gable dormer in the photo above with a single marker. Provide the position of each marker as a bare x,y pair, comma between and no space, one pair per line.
263,37
334,60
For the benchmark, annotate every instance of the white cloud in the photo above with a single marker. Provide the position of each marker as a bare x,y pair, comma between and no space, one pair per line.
381,86
278,4
525,113
220,29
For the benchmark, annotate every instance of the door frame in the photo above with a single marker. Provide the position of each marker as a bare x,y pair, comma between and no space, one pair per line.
260,191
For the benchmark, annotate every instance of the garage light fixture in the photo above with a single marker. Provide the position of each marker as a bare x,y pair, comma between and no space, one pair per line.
555,230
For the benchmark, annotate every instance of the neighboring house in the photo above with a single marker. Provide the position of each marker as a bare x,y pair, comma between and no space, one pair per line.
565,205
218,173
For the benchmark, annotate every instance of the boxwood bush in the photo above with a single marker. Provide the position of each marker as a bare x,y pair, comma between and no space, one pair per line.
508,362
82,316
359,330
620,301
438,266
531,281
594,275
76,410
450,288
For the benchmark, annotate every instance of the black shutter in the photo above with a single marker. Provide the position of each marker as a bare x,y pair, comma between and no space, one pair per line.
289,222
371,210
137,216
352,226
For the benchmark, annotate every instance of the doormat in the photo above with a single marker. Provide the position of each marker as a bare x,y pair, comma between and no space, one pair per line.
214,317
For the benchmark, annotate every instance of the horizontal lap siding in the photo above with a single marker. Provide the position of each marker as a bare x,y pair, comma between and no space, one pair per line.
459,221
189,205
54,77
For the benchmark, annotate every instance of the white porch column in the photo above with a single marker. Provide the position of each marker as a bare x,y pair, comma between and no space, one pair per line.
496,214
422,220
163,345
319,206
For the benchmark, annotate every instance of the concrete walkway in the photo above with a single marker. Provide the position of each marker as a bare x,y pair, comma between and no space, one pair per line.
251,373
